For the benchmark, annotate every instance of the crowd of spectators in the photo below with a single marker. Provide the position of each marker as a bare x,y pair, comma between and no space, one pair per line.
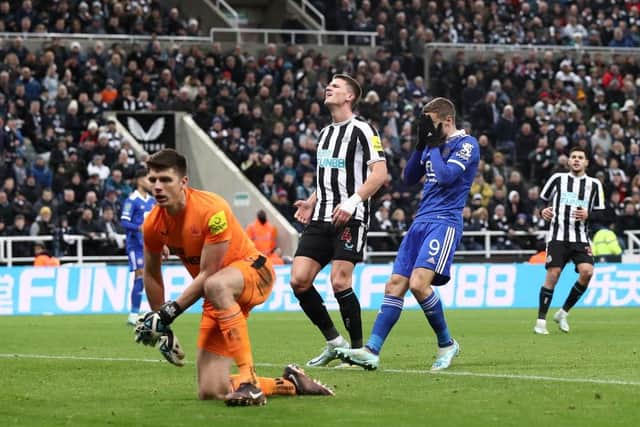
67,170
137,17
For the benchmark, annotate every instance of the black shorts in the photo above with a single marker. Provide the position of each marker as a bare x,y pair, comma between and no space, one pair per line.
323,242
560,253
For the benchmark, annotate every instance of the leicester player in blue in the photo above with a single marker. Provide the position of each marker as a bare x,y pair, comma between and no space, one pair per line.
134,211
449,159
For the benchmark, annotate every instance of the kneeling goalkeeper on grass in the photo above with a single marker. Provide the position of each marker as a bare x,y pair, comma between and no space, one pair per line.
227,270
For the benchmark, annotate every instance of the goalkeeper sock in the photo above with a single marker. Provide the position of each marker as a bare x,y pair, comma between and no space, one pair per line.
432,308
235,333
136,294
350,311
269,386
387,317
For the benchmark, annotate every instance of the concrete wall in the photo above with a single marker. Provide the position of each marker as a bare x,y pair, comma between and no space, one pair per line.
210,169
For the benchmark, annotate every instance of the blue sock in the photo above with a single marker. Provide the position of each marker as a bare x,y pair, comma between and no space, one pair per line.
136,294
387,317
432,308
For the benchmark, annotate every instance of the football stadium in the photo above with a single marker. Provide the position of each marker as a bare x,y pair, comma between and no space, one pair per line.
319,213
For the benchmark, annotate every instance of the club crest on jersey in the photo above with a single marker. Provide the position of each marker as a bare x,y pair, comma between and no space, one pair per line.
465,151
347,238
217,223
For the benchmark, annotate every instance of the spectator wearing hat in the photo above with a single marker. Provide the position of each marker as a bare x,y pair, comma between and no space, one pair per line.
42,257
41,172
44,225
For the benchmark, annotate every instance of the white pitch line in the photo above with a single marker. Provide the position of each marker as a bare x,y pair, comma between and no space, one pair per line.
393,371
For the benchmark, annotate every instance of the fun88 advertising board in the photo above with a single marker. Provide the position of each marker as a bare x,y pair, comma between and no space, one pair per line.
106,289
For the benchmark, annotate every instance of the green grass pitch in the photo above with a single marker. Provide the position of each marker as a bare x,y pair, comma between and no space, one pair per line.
87,371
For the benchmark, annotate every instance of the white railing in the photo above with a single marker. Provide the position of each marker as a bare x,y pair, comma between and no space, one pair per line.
7,258
519,48
227,10
72,240
310,10
322,37
633,243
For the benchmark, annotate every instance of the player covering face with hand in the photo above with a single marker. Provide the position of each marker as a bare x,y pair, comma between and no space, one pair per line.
449,159
227,270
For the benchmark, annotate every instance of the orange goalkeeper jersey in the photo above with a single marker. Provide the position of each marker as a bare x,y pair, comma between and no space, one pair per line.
206,219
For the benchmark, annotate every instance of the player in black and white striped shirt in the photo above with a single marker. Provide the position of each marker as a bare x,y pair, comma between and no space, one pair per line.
572,195
351,168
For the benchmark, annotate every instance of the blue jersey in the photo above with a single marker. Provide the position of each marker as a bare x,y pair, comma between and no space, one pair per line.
450,170
134,211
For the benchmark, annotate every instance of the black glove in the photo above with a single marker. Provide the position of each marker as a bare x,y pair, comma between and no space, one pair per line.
169,311
428,134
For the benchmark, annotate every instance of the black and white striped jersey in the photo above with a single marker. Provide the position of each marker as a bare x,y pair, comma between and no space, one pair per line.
345,151
567,193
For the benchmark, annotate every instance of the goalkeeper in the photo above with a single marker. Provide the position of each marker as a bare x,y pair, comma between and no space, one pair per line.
227,271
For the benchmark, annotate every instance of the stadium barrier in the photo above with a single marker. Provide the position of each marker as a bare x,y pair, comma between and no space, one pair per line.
99,289
631,253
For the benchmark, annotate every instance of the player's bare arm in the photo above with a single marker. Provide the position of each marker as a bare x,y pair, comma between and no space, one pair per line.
153,284
210,262
343,212
547,213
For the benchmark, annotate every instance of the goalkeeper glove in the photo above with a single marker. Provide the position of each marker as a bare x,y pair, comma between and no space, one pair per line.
171,349
169,311
428,134
149,328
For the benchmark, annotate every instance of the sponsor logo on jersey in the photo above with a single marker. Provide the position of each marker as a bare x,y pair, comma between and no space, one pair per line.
570,198
325,160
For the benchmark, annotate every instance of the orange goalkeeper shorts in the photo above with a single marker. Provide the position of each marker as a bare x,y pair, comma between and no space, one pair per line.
258,278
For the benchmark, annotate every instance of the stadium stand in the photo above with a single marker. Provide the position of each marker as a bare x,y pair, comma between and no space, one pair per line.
265,111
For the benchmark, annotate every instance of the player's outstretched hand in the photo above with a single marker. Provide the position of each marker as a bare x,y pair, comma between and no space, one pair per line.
171,349
428,134
547,214
304,211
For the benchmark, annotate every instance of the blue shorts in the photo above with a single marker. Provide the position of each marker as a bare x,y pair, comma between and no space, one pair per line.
429,245
136,258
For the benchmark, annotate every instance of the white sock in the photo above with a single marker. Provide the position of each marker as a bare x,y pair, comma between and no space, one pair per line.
336,341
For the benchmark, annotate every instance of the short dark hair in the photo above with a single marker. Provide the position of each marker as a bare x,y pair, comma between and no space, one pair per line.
168,158
353,84
581,149
442,107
